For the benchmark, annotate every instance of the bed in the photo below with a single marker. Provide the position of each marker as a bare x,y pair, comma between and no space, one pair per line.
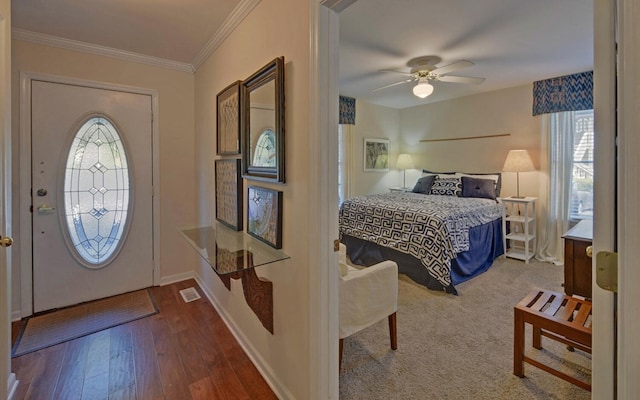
439,238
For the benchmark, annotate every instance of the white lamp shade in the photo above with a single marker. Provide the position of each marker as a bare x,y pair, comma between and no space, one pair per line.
404,162
518,161
422,89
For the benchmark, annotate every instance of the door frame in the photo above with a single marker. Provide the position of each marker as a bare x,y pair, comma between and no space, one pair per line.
26,216
628,298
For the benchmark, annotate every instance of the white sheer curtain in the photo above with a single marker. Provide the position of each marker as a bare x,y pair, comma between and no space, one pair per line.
555,184
345,161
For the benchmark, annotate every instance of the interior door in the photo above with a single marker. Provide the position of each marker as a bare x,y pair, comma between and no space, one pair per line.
605,208
91,193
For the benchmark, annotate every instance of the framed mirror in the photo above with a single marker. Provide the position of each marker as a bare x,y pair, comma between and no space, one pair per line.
263,124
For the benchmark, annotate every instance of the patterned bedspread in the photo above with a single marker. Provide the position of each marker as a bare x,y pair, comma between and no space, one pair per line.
431,228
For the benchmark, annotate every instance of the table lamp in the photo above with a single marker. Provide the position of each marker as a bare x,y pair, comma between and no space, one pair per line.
518,161
404,163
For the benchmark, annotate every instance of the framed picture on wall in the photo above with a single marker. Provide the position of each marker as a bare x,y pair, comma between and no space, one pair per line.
228,117
264,215
376,154
229,193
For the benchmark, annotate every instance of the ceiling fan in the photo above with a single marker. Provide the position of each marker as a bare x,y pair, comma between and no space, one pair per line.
424,70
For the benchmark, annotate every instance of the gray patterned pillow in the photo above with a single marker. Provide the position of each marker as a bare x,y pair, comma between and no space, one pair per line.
447,187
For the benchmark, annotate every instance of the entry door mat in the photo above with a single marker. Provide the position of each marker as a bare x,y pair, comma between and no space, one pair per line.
72,322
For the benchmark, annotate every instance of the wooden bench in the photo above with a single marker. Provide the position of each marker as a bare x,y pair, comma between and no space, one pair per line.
556,316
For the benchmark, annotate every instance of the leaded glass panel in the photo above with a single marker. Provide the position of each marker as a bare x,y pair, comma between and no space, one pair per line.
96,192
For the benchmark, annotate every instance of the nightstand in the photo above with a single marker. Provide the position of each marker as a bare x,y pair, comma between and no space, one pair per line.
519,227
400,189
577,264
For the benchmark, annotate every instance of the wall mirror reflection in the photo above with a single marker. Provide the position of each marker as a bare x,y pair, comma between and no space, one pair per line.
263,123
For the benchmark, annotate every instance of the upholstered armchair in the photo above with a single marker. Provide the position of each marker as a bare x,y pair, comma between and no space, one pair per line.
366,296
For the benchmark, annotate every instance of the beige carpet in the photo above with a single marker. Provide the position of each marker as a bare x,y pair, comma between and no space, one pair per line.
83,319
461,347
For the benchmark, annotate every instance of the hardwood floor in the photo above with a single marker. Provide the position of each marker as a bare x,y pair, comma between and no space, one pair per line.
183,352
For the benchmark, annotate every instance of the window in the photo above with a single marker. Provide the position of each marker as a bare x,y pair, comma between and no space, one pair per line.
581,197
96,193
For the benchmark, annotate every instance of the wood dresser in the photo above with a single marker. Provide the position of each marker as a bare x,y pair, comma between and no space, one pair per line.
577,265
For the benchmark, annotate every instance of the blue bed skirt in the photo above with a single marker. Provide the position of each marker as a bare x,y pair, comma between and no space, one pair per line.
485,246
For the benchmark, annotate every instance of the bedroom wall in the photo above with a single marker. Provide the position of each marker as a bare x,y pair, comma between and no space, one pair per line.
498,112
273,28
378,122
176,127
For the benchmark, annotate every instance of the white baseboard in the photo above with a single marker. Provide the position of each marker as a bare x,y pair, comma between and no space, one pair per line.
168,280
16,315
12,386
279,389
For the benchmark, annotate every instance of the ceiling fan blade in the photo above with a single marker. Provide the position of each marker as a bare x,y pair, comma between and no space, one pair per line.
397,72
393,84
461,79
452,67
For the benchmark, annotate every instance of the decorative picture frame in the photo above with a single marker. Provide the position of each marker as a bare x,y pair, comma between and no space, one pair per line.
228,116
264,215
376,155
229,193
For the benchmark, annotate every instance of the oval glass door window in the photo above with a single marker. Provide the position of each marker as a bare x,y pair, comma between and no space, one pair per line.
265,154
96,193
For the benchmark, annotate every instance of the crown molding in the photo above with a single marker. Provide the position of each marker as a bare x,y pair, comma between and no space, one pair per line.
233,20
69,44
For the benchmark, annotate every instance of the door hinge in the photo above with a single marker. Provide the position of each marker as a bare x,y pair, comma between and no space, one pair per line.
607,270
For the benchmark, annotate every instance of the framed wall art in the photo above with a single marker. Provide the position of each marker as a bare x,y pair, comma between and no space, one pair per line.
229,193
228,117
264,215
376,155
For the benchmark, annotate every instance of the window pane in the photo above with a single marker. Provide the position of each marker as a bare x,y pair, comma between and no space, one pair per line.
581,206
96,192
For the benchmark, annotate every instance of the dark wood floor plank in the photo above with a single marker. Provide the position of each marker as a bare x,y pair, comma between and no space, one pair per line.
96,387
121,363
174,379
147,374
184,352
99,352
126,393
44,383
204,389
71,380
253,382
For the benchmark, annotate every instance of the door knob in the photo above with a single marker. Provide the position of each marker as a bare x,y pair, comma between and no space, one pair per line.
45,209
5,241
589,251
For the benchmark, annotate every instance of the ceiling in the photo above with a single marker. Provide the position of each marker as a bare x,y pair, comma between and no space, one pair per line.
170,29
511,42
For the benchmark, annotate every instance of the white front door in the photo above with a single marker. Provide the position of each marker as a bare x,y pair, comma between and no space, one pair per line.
92,193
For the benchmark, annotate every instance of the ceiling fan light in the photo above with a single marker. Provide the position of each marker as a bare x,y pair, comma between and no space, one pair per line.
422,89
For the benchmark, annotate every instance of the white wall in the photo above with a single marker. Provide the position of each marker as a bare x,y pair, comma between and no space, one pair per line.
377,122
274,28
506,111
176,125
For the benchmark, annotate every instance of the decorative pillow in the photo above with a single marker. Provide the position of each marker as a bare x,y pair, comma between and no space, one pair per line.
447,187
475,187
424,184
494,176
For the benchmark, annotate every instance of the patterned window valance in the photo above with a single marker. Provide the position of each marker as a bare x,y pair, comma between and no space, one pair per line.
564,93
347,110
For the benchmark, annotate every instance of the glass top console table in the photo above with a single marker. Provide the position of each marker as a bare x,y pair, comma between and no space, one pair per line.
235,255
228,251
